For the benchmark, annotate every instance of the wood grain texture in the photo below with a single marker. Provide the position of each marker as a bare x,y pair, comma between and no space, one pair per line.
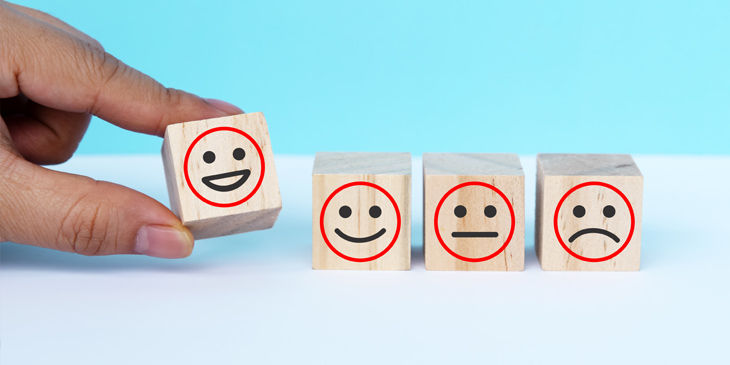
389,171
585,210
444,171
227,152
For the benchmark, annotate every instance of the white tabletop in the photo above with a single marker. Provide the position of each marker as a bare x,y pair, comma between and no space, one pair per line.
253,298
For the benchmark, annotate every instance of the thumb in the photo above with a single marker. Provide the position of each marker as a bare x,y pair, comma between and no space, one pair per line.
78,214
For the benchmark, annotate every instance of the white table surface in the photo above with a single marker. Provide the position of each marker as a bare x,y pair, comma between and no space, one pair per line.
253,298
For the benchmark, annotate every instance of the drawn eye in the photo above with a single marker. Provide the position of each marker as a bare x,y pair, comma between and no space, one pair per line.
579,211
375,211
239,154
609,211
490,211
460,211
209,157
345,211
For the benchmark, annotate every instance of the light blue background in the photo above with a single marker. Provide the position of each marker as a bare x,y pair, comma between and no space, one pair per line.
519,76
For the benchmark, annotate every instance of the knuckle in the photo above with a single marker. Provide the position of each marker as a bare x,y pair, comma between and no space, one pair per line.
88,227
100,68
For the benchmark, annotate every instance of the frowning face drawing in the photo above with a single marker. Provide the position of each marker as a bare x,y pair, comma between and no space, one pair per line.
594,221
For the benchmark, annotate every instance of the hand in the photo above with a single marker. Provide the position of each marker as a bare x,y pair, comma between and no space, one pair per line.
53,78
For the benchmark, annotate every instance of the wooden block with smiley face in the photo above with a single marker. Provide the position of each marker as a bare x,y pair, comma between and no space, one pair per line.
473,212
361,216
588,212
221,176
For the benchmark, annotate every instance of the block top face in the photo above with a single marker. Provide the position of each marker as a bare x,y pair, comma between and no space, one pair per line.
362,163
472,164
565,164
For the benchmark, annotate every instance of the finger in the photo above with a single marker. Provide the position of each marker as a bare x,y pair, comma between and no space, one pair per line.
43,135
52,20
78,214
61,72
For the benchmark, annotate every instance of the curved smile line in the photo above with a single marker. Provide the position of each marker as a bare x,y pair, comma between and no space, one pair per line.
475,234
593,230
208,180
359,240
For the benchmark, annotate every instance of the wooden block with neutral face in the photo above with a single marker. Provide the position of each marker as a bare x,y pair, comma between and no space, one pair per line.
473,212
361,211
588,212
221,176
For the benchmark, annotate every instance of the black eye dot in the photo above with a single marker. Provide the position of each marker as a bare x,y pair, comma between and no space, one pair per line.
375,211
345,211
209,157
239,154
460,211
490,211
609,211
579,211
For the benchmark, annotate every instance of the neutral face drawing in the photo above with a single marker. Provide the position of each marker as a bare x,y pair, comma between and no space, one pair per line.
474,221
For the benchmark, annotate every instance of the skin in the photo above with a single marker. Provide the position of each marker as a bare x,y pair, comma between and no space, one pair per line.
53,78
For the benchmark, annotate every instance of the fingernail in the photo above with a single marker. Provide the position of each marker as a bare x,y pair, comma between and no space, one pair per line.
163,241
226,107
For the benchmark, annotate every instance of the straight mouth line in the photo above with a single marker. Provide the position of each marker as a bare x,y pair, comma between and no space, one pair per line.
357,239
594,230
475,234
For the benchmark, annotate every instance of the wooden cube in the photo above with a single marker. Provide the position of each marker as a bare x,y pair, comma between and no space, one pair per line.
588,212
221,176
473,212
361,211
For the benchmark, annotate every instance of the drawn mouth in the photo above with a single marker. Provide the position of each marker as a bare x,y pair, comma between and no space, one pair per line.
208,180
594,230
359,240
475,234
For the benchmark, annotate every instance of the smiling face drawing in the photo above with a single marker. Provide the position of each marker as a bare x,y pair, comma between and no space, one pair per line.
224,167
360,221
474,221
594,221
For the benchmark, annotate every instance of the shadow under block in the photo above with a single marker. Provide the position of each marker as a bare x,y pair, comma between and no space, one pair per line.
358,200
221,176
586,201
473,193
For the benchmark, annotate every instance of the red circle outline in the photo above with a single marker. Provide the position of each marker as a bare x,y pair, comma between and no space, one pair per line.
324,234
258,183
477,259
615,190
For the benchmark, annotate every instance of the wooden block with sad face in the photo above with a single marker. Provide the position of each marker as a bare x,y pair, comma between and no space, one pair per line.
473,212
361,211
588,212
221,176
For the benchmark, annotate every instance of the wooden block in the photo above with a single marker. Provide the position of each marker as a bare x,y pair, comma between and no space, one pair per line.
221,176
361,211
588,212
473,212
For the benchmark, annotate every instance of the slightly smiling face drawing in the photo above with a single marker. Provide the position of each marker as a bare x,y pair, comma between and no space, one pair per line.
360,221
474,221
224,167
594,221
